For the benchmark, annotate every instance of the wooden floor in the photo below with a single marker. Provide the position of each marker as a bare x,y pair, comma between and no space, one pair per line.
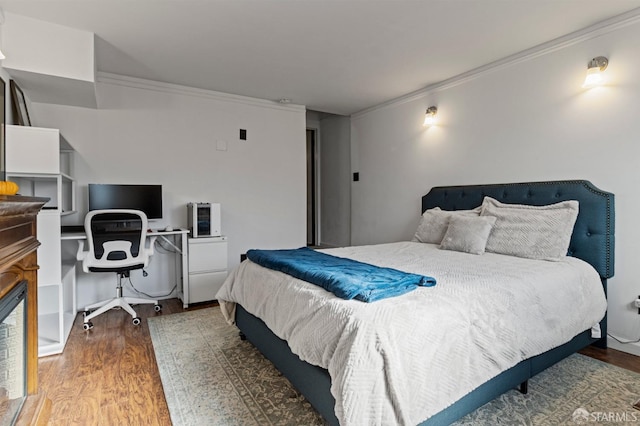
108,376
612,356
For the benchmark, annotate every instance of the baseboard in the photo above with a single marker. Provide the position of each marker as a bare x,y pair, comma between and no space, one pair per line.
630,348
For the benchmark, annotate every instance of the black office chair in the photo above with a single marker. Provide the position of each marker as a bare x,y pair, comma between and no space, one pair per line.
117,244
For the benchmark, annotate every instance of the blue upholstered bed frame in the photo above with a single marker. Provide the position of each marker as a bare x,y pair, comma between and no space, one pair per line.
592,241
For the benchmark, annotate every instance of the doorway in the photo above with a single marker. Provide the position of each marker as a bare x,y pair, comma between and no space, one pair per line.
312,216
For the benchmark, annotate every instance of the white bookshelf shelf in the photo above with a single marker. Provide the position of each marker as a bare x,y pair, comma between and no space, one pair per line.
40,161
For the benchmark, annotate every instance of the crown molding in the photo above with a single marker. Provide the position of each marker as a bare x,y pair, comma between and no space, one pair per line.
158,86
604,27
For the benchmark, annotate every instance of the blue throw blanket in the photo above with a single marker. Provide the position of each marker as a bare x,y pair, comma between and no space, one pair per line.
346,278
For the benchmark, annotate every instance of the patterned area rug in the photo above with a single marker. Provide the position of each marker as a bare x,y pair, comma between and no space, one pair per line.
211,377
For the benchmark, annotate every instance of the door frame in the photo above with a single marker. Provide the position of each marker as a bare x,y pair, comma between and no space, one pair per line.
314,186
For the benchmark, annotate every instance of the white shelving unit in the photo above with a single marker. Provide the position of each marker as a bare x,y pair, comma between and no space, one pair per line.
40,161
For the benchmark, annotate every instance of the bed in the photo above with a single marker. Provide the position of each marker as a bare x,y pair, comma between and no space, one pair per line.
592,241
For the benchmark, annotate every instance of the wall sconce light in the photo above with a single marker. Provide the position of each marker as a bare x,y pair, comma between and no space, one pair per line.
594,72
430,116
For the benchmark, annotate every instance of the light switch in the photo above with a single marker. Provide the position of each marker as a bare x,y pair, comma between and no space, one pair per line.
221,145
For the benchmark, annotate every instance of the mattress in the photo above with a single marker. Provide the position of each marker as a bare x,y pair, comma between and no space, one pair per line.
403,359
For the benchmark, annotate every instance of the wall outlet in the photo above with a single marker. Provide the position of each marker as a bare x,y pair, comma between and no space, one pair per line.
636,303
221,145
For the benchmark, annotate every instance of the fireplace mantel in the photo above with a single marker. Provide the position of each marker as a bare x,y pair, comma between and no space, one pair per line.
18,262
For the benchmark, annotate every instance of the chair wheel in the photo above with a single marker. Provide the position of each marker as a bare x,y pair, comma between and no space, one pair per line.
136,321
87,325
157,308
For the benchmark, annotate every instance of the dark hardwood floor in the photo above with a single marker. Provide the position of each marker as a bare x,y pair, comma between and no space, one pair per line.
109,375
615,357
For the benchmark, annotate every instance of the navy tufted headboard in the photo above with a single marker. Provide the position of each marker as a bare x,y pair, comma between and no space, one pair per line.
593,233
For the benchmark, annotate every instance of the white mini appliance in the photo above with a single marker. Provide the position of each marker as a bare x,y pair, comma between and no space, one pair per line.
203,219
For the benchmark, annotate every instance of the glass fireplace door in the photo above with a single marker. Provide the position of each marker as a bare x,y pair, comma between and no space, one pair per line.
13,377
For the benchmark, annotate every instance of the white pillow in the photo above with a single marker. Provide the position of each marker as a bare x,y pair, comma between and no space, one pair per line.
468,233
434,223
535,232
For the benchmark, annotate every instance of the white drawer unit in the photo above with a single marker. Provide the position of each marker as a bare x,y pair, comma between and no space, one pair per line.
207,269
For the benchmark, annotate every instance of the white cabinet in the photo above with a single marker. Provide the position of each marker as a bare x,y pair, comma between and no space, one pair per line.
40,161
207,269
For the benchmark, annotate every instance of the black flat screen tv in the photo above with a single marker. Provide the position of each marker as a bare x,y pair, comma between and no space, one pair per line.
147,198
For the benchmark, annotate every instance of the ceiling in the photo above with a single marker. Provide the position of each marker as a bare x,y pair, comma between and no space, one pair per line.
336,56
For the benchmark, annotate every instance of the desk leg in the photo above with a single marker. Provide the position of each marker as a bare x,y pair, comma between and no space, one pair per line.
184,270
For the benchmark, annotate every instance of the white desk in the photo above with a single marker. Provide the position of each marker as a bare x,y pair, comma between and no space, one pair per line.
177,239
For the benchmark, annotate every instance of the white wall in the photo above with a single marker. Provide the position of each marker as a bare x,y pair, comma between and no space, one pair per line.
527,121
50,49
335,174
149,133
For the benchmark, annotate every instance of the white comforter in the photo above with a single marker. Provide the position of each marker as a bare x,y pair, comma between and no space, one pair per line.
403,359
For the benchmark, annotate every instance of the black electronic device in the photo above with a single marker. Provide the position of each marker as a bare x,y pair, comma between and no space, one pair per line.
147,198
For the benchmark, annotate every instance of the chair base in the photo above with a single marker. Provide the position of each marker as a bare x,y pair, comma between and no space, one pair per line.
119,301
124,302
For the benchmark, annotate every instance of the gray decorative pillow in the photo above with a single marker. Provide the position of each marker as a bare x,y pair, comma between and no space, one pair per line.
535,232
434,223
468,234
